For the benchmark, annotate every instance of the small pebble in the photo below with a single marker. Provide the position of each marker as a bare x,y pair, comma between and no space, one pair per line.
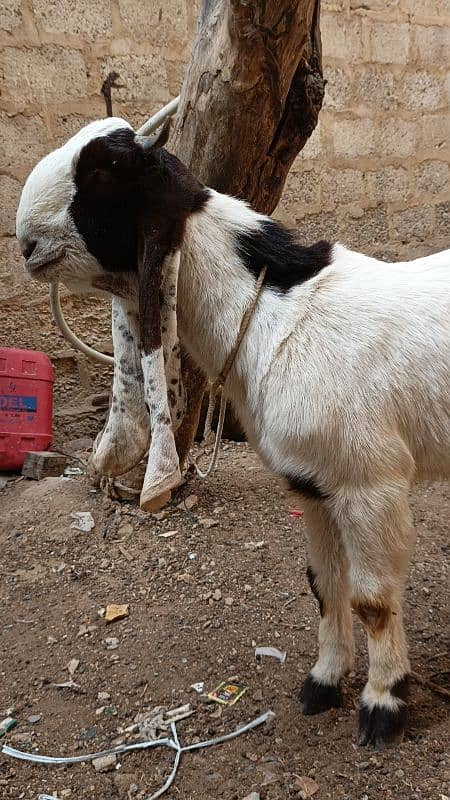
207,522
125,529
104,763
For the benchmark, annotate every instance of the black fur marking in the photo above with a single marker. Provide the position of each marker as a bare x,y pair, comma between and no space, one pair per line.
119,187
316,697
130,208
384,726
288,262
312,582
172,398
306,486
107,199
400,689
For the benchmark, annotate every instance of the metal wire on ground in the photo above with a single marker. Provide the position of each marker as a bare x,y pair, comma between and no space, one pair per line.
173,744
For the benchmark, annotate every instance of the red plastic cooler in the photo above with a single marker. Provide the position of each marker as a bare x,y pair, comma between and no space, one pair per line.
26,405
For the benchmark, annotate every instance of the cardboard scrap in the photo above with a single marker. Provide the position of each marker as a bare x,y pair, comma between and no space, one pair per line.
116,611
306,786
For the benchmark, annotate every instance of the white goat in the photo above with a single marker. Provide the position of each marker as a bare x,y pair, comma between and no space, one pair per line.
341,382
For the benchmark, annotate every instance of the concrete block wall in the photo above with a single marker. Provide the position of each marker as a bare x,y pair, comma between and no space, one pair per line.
375,173
54,56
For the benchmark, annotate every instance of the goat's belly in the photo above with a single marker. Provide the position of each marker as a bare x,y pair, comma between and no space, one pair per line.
341,430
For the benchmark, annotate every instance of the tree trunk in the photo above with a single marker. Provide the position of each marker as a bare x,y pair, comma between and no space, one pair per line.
250,99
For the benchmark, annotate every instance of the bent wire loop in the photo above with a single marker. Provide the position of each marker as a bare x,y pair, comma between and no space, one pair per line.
173,743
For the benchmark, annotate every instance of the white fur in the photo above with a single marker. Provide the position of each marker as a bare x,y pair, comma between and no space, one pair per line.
343,380
373,699
171,345
162,473
126,436
43,211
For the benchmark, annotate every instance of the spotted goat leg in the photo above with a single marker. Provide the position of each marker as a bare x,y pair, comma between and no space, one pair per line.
170,342
162,474
124,440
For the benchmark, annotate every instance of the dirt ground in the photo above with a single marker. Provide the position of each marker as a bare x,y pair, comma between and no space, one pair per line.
199,601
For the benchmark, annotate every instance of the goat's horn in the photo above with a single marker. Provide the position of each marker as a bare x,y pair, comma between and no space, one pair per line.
158,140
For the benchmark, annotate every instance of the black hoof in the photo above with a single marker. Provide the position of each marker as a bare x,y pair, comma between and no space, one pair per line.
316,697
382,727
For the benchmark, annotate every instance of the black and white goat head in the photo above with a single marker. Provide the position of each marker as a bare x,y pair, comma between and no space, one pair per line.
103,214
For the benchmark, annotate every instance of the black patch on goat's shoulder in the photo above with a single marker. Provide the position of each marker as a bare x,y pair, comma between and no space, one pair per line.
123,193
288,263
306,486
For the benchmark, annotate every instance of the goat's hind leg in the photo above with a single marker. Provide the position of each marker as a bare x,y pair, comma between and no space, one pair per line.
126,435
378,534
327,575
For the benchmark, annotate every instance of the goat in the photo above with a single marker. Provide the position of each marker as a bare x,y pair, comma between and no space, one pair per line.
341,382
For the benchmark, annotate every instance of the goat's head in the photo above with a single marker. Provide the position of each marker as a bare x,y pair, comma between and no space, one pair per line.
78,212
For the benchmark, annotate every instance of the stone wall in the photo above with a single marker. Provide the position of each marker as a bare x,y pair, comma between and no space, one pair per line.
374,174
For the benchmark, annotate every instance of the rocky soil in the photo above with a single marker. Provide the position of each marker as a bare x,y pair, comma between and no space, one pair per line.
205,582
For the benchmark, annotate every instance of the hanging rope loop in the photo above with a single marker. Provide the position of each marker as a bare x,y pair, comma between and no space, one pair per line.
219,384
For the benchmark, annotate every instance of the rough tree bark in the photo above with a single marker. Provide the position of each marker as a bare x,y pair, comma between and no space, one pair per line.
250,99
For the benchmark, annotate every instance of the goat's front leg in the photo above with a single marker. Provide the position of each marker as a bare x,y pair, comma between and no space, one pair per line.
125,437
377,529
327,575
163,472
171,345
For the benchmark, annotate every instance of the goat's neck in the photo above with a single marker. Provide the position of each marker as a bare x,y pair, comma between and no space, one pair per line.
214,288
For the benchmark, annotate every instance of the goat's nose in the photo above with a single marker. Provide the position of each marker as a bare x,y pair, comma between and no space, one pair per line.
28,249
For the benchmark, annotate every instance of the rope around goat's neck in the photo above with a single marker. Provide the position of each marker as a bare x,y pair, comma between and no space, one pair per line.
220,383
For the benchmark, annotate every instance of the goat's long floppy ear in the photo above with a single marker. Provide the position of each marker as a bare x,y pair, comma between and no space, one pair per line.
155,142
152,251
163,472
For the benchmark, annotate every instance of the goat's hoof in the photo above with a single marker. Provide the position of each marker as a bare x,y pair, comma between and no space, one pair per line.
154,497
153,504
381,726
115,458
316,697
